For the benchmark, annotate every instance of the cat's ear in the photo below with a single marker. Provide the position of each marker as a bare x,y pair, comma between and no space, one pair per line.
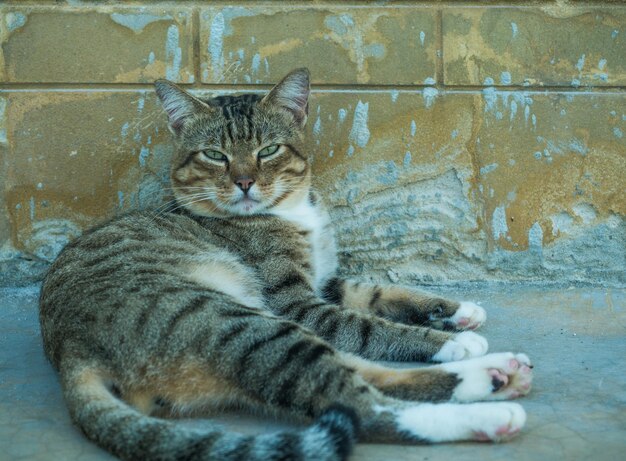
292,94
179,105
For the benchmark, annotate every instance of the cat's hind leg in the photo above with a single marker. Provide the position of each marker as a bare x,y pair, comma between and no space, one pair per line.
284,366
499,376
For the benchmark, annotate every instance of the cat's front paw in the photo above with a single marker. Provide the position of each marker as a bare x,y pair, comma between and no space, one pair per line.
462,346
468,316
499,376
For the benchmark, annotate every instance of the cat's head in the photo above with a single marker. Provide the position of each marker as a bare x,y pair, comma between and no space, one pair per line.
239,155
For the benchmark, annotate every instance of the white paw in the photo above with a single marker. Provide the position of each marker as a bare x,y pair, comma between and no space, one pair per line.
496,422
462,346
499,376
449,422
468,316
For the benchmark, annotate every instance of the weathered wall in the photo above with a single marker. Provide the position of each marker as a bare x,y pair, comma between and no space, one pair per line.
454,141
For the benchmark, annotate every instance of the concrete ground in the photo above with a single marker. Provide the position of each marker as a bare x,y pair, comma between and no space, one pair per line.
577,410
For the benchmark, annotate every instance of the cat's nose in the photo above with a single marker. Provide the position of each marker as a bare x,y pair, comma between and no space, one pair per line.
244,183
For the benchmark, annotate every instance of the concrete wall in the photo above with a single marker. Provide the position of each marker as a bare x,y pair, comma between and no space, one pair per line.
454,141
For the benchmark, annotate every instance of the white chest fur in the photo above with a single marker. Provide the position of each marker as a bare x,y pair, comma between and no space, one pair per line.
316,221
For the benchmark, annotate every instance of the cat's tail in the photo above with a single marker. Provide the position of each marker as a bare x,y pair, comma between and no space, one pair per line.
131,435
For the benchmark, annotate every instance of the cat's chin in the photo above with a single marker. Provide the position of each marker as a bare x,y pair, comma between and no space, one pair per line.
246,206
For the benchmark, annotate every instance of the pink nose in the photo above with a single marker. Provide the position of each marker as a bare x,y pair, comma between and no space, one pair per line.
244,183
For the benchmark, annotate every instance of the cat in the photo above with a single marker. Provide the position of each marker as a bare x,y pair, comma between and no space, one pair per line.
232,300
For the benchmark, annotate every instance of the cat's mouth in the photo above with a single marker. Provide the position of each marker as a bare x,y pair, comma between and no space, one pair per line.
246,205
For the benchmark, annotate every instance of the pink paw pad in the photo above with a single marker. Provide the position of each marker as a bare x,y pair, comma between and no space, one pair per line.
506,432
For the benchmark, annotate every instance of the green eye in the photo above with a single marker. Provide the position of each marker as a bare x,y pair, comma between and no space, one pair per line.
269,150
214,155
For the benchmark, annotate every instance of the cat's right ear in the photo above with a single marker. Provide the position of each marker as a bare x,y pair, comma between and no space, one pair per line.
179,105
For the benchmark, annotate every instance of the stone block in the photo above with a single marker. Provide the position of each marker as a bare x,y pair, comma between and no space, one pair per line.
563,45
340,44
395,170
551,178
100,44
75,158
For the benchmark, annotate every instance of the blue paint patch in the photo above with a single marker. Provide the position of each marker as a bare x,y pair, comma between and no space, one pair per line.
143,155
256,63
513,110
514,30
32,208
499,115
535,237
537,155
581,63
505,78
137,22
15,21
488,168
601,64
575,83
454,134
407,159
124,131
422,37
120,199
614,34
576,145
350,151
617,132
394,95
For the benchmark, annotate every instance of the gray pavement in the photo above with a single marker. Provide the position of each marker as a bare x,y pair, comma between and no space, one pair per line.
576,338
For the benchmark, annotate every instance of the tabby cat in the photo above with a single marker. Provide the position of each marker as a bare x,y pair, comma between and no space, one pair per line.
233,300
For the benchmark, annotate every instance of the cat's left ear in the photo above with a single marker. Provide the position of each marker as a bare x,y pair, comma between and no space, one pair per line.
292,94
179,105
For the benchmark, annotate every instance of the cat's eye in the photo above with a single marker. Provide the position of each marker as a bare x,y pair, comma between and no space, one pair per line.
269,150
214,155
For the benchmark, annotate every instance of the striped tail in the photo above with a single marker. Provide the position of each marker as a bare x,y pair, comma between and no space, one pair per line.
131,435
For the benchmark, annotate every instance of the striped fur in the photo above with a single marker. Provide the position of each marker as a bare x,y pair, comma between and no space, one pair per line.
230,299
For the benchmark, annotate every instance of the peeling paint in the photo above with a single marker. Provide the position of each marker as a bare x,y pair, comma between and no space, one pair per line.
561,223
535,236
173,53
341,115
14,20
413,128
256,63
216,43
137,22
586,212
499,227
143,156
514,30
394,95
317,128
488,168
429,94
422,37
360,133
407,159
580,63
